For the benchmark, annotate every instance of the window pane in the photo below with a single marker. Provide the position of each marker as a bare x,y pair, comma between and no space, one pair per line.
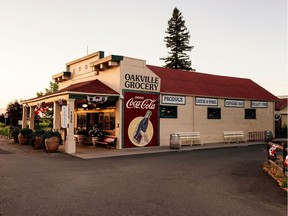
250,113
214,113
168,111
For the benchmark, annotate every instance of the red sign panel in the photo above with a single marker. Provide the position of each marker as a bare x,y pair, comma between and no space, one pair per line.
141,119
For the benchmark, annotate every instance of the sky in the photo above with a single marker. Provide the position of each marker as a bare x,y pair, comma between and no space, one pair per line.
243,38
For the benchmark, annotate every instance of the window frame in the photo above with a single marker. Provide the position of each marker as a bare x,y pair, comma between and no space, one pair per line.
251,116
175,115
218,109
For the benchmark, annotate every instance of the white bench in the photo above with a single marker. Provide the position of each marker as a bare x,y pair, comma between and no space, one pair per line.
189,138
233,136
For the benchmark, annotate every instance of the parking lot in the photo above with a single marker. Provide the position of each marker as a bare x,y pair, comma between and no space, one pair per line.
220,181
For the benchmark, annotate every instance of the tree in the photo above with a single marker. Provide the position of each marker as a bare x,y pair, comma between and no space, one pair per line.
14,110
52,88
177,40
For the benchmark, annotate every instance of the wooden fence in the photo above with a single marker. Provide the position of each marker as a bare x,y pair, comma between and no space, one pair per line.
277,155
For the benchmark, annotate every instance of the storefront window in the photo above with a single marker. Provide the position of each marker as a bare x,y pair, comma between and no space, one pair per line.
214,113
250,113
168,111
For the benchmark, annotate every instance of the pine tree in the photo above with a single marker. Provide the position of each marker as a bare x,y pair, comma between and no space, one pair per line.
177,40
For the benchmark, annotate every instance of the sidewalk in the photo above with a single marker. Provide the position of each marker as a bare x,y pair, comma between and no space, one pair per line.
90,152
104,152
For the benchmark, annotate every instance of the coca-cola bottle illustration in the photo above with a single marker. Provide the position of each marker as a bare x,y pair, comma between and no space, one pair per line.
142,127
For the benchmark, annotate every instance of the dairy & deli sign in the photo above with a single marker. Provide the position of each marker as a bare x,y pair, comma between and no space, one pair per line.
141,82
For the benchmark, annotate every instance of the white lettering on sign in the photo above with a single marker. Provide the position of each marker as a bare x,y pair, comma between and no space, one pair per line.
141,82
172,99
64,119
141,104
259,104
234,103
206,101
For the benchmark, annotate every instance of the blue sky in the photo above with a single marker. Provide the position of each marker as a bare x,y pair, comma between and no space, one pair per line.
244,38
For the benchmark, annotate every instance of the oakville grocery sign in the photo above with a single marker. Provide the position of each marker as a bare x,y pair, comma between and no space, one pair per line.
173,99
141,82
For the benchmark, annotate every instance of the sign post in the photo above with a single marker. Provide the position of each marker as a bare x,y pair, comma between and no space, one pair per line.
6,115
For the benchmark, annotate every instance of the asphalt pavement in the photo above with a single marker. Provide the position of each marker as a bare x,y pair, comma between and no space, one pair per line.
204,181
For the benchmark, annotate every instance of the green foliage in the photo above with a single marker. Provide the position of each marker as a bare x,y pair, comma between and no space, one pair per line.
37,132
52,133
14,110
52,88
26,132
177,40
4,131
15,131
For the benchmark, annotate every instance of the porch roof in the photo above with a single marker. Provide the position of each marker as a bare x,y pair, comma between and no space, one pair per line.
91,87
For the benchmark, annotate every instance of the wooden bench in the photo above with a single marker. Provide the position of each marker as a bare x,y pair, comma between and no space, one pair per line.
189,138
233,136
107,140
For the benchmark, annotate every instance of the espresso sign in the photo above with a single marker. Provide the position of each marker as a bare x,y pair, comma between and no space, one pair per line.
141,82
140,119
259,104
172,99
206,101
234,103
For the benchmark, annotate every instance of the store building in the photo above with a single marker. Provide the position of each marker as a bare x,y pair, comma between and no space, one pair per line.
142,104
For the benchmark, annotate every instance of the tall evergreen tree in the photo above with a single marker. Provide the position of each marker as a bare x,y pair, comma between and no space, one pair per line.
177,40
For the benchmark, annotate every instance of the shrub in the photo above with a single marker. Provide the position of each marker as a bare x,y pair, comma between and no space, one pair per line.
4,131
26,132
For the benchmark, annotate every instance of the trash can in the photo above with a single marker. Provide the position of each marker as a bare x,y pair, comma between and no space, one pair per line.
268,136
175,141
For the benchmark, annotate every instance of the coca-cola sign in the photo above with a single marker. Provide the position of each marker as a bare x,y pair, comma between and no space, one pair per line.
140,119
141,103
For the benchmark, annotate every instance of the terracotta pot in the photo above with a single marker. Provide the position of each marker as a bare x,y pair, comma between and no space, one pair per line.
52,144
81,139
94,140
23,140
38,142
16,140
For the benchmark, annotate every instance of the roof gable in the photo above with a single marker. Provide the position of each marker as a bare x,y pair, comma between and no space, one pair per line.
281,104
89,87
201,84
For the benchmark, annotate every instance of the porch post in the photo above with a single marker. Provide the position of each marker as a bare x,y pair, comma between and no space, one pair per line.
57,116
70,144
24,117
32,118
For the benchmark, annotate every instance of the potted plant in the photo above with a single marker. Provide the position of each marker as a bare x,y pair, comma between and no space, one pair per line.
52,140
15,133
81,136
96,134
36,138
24,136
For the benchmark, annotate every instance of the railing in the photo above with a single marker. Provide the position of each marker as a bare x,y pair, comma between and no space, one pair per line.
256,136
277,155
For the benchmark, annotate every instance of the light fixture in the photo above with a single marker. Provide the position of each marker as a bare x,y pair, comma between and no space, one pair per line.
84,105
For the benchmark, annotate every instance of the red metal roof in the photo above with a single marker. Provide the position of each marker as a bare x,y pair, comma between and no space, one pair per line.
201,84
281,104
89,87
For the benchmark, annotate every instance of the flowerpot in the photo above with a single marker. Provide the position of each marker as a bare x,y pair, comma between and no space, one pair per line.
23,140
94,140
52,144
16,140
81,139
38,142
